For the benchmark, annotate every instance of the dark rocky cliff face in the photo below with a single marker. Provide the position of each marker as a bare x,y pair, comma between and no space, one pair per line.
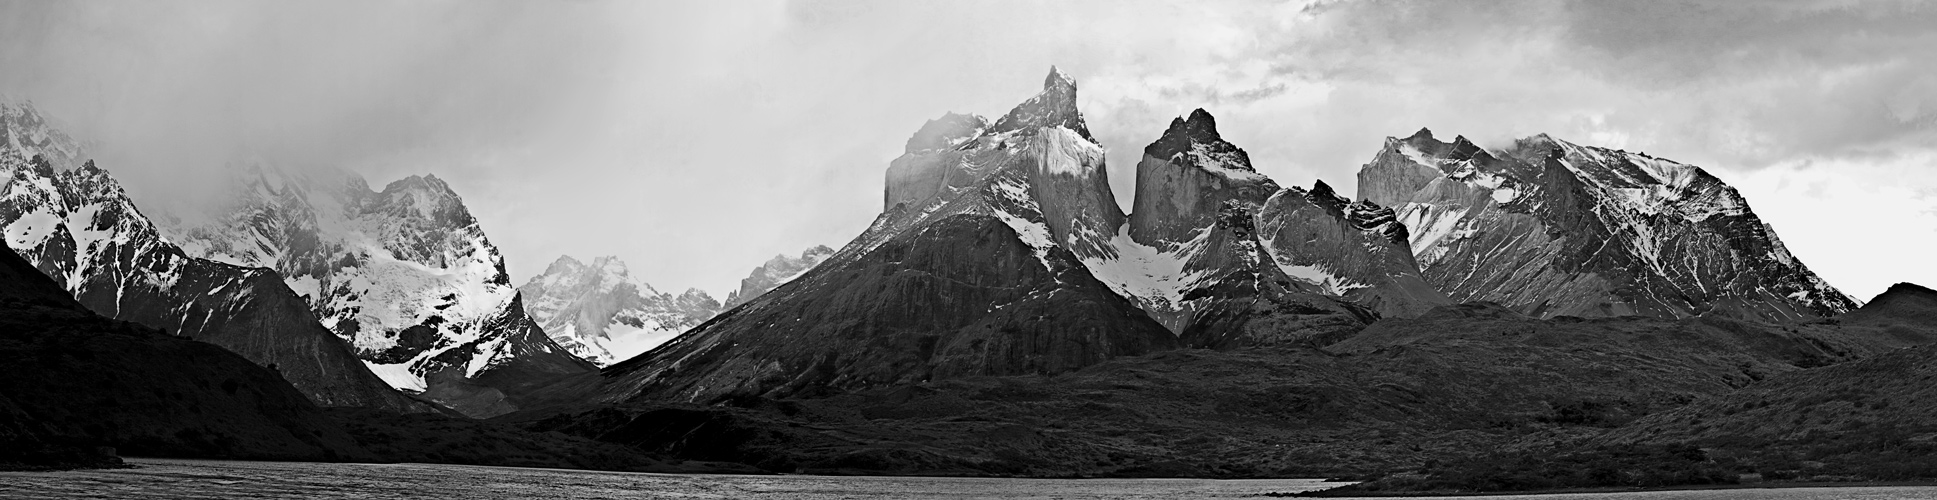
1550,228
77,381
1213,246
80,228
975,268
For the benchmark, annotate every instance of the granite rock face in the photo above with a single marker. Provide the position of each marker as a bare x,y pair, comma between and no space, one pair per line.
1354,250
405,275
1212,247
975,267
604,314
1550,228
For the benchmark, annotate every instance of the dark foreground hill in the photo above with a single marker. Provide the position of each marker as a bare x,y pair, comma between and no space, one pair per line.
76,381
1870,419
1402,393
80,389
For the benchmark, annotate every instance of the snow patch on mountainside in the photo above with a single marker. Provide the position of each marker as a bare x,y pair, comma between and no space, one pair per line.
1151,276
1067,153
600,312
405,275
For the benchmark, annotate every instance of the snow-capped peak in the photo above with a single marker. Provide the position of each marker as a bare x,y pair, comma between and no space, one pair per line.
1055,106
600,312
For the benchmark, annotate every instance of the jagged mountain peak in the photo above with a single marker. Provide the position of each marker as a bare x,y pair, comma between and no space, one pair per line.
1324,196
25,130
1617,232
1055,106
423,197
601,313
406,275
1058,79
777,271
81,229
564,264
950,130
1194,141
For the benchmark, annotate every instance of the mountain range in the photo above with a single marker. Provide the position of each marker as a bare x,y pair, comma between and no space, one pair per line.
405,275
79,227
1003,315
1551,228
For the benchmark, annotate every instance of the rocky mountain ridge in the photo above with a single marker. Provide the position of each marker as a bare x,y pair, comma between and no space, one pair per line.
80,228
1551,228
974,267
404,274
602,313
1032,184
780,269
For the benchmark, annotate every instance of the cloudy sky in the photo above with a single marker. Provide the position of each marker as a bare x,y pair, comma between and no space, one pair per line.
695,140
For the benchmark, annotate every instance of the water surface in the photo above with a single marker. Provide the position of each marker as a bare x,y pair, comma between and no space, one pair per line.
169,479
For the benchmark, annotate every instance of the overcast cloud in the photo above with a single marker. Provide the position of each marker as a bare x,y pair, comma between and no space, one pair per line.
695,140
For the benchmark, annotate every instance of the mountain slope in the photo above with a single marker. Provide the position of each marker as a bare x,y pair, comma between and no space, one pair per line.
76,381
80,228
974,268
405,275
1550,228
776,271
600,312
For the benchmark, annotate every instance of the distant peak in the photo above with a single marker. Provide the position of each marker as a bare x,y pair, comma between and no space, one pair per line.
1197,134
610,264
1055,106
1057,79
564,264
1320,187
426,181
949,130
1322,195
1423,133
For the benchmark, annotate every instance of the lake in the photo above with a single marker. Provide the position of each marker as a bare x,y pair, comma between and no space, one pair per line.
168,478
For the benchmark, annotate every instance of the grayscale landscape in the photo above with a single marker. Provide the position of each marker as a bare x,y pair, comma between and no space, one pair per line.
984,249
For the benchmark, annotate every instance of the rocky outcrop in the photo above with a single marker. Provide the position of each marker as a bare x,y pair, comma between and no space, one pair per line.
1222,255
603,314
405,275
1550,228
80,228
1356,251
779,270
974,268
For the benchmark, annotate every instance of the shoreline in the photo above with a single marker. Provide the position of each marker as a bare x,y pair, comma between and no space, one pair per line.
1565,491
